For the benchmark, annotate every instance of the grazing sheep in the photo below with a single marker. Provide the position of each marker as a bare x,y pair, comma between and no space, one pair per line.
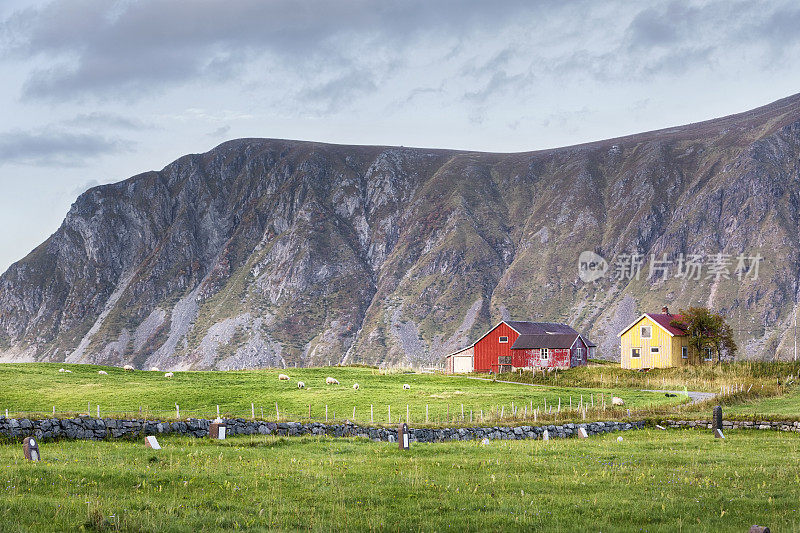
283,377
61,370
617,401
301,385
169,375
154,369
355,386
331,381
406,386
68,371
102,372
129,368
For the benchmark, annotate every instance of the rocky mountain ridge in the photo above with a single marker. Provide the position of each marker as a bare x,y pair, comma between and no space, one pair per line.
268,252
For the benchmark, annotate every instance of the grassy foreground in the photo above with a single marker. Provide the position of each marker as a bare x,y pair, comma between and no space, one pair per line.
652,481
36,388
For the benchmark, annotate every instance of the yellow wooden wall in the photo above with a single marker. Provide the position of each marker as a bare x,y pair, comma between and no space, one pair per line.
660,338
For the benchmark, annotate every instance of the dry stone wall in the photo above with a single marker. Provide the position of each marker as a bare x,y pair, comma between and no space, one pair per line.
84,427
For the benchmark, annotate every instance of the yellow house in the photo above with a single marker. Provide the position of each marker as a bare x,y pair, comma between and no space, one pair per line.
651,341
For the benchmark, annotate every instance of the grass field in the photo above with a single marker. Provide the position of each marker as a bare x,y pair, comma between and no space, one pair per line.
652,481
787,406
36,388
768,378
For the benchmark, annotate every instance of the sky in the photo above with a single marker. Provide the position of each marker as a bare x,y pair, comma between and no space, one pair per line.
95,91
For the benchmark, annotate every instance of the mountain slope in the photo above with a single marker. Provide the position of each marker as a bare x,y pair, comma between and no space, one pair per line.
270,252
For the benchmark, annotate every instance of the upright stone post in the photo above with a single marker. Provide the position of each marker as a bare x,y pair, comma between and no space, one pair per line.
716,423
31,449
402,436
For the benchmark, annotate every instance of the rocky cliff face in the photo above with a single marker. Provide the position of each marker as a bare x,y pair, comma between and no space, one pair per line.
269,252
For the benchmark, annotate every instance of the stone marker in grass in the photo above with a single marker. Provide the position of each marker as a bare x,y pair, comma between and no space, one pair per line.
31,449
402,436
217,429
759,529
582,434
152,442
718,434
716,423
546,435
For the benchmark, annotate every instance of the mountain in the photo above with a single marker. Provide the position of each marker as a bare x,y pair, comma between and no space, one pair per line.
272,252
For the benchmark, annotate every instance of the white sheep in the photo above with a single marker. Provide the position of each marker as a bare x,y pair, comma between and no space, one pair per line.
68,371
617,401
169,375
102,372
61,370
129,368
283,377
331,381
406,386
355,386
301,385
154,369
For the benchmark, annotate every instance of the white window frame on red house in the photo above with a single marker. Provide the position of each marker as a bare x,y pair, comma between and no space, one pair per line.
544,355
503,340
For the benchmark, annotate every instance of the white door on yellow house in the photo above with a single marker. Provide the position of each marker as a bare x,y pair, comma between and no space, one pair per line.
646,334
655,354
636,358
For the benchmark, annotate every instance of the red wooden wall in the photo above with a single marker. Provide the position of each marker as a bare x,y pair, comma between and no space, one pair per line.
489,348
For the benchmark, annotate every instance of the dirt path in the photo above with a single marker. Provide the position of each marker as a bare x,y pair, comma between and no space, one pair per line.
696,397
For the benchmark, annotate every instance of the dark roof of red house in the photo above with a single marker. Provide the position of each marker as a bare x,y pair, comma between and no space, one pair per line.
540,328
550,341
664,321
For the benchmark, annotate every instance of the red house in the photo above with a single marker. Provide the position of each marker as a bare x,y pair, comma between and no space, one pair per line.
512,345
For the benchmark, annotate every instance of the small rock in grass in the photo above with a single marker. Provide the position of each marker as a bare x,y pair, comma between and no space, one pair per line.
619,439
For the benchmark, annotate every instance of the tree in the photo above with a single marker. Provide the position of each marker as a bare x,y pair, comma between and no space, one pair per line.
707,329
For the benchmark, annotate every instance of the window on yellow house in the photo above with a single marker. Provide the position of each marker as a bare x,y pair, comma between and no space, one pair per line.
635,353
647,332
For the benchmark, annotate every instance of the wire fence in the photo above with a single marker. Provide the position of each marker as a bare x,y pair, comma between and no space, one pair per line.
438,414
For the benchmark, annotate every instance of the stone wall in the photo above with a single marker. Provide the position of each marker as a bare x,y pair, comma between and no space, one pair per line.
735,424
84,427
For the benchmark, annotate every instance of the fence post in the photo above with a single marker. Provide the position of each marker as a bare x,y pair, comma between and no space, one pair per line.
390,413
277,413
408,419
371,417
252,411
177,411
326,412
426,413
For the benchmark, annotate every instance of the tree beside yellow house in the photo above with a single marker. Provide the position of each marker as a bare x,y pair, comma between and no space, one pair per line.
652,341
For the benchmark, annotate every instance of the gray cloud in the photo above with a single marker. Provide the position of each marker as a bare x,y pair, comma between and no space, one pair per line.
222,131
106,120
137,47
53,148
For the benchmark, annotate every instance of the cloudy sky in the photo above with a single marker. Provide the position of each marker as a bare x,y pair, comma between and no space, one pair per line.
94,91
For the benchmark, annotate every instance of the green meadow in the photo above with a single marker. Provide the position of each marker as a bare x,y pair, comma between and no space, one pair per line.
681,480
37,388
